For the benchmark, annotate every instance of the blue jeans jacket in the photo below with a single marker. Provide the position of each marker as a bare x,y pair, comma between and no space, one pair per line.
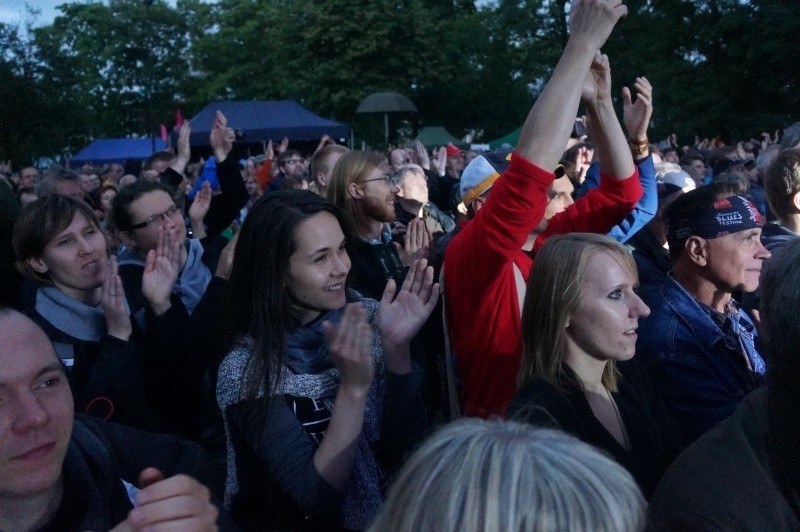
698,369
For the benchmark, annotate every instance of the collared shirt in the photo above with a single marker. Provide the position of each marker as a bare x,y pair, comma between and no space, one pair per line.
740,330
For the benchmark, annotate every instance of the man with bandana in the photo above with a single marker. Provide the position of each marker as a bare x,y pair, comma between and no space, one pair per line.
699,349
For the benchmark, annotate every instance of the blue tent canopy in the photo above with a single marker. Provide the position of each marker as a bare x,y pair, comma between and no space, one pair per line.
260,121
103,151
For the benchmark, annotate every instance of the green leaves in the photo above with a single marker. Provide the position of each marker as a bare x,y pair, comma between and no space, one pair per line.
120,67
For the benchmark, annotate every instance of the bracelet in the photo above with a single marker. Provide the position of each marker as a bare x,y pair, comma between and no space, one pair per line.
639,148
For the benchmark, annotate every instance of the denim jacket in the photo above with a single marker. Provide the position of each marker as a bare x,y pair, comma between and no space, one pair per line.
698,369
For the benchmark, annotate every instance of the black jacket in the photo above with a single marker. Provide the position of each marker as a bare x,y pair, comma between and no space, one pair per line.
101,456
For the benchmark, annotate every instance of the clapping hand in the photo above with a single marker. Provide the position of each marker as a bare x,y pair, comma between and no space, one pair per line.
422,155
221,137
592,21
636,115
161,270
417,242
184,149
402,313
440,162
350,345
201,204
597,87
115,308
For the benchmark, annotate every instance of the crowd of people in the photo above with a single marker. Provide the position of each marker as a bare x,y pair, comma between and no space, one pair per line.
589,331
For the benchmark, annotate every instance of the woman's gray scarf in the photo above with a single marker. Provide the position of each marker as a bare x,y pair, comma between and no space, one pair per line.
307,348
70,316
362,498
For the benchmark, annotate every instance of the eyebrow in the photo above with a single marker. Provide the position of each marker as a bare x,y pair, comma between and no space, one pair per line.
54,367
323,250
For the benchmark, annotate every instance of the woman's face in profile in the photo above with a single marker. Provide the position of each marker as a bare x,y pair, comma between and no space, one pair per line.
603,326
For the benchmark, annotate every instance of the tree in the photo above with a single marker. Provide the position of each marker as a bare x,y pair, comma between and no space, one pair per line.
35,123
125,62
327,54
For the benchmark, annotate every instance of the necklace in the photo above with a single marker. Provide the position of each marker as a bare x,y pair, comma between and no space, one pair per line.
625,443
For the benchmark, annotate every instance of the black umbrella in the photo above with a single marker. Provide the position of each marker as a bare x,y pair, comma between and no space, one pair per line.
386,102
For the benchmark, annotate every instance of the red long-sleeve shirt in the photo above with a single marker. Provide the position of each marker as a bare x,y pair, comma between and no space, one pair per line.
483,309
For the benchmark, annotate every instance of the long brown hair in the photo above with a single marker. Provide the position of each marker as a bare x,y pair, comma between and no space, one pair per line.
352,167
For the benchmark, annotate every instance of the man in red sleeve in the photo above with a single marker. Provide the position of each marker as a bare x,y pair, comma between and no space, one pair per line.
487,264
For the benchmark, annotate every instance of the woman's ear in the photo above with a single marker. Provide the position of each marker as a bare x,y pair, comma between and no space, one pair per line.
38,265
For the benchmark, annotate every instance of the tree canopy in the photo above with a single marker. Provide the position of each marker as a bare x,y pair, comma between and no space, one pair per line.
121,67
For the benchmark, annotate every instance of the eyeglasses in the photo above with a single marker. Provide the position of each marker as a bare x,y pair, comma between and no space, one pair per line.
152,220
293,161
389,179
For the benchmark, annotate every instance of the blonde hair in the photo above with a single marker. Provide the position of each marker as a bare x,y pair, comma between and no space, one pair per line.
553,294
352,167
503,476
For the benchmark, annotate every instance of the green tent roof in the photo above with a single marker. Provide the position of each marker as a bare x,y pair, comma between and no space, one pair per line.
510,138
434,136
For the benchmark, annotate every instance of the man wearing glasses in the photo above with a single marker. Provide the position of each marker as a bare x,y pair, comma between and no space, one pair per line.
292,166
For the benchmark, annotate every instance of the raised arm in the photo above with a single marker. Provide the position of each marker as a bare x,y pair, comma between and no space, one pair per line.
604,127
550,121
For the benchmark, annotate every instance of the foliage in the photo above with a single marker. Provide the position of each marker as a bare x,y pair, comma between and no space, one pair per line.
124,62
119,67
34,124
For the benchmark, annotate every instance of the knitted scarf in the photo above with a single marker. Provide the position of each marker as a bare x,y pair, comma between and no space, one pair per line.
70,316
362,499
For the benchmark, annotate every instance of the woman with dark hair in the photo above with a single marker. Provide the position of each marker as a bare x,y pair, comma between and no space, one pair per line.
579,321
116,371
318,391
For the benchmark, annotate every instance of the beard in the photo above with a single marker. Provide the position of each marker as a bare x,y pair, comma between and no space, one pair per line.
378,211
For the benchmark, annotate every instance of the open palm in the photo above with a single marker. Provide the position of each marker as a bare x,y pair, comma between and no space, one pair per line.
402,313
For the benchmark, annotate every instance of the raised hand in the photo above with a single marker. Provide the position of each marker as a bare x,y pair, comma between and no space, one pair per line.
226,258
597,87
269,152
284,145
591,21
161,270
441,161
350,345
178,503
402,313
221,145
199,209
115,308
422,155
636,115
417,243
184,149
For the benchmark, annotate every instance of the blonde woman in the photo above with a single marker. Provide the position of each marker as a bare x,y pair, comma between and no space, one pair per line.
477,475
579,321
